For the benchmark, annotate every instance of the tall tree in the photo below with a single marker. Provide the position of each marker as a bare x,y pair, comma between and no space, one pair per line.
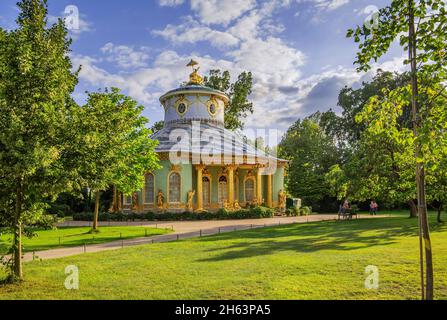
240,106
115,145
382,166
36,109
312,154
421,29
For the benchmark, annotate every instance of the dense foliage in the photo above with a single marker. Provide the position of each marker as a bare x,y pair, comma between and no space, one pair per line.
240,106
50,147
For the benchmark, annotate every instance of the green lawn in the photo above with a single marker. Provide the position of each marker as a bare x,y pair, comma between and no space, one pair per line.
324,260
77,236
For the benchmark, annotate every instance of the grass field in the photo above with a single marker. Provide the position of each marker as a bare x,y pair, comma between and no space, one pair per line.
324,260
76,236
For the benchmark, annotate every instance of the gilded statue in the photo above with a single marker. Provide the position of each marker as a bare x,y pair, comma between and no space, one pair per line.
255,202
194,77
282,200
236,205
190,199
160,199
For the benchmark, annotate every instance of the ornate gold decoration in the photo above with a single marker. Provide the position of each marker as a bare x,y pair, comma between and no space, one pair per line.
194,77
160,199
213,106
181,106
191,195
227,205
282,200
236,205
163,155
255,202
176,167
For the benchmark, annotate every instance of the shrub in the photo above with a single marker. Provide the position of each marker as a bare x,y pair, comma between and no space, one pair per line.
60,210
46,221
221,214
305,211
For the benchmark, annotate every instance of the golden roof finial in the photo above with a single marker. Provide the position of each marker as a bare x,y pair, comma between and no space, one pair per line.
194,77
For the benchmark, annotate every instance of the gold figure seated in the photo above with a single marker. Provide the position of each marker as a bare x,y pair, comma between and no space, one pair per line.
237,205
195,78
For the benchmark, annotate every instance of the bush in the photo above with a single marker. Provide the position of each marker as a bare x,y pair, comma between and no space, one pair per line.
221,214
60,210
295,212
46,221
305,211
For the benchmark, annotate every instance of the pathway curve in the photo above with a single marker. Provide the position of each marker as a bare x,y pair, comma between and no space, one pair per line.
182,230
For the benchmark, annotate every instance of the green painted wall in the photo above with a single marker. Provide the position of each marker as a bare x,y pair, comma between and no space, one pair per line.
189,181
187,177
278,182
161,179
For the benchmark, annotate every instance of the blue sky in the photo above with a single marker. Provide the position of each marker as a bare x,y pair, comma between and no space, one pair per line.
296,49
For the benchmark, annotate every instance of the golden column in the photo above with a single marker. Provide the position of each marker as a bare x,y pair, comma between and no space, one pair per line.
259,186
199,169
230,170
269,191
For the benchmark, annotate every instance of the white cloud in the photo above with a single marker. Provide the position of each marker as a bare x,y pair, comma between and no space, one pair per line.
221,11
328,5
124,56
192,32
271,60
250,40
170,3
167,71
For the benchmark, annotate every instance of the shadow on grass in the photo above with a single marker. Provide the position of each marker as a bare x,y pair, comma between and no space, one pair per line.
316,236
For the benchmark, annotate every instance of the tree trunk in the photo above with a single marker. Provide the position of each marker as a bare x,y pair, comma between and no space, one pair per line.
17,240
115,202
96,214
420,171
413,209
438,218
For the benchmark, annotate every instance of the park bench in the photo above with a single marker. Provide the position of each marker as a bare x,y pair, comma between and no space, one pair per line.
347,215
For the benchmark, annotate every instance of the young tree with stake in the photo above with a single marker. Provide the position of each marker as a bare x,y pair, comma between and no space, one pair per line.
420,27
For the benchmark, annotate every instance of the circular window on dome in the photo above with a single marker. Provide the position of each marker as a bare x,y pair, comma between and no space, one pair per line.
212,107
181,108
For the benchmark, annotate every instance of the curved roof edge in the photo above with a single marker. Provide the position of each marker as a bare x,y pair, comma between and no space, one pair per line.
188,89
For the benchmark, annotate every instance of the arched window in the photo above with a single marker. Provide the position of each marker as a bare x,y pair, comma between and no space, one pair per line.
174,187
206,190
222,189
249,189
149,189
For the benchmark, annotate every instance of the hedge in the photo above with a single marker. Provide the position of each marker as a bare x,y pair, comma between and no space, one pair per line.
221,214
